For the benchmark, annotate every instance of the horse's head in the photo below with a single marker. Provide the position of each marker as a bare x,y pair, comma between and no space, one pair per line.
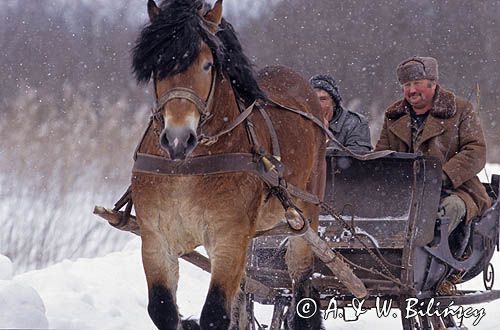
179,50
187,46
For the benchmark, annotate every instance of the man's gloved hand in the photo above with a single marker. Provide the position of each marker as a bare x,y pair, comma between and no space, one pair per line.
452,207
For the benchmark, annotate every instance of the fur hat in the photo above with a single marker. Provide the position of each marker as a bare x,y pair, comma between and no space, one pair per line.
328,84
416,68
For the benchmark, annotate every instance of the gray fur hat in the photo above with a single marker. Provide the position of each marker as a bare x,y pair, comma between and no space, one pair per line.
328,84
416,68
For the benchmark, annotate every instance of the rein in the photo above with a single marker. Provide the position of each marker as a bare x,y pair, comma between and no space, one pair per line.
329,134
267,167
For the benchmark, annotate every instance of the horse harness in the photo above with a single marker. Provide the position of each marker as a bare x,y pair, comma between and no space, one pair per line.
268,167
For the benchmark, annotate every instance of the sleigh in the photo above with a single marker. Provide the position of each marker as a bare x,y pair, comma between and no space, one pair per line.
388,233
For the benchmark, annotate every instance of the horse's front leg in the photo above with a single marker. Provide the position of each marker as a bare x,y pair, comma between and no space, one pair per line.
227,251
162,275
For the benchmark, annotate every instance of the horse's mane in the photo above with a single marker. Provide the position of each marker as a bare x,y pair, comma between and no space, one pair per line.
171,43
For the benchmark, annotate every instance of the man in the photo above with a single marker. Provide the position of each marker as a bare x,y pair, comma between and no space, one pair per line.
348,127
434,122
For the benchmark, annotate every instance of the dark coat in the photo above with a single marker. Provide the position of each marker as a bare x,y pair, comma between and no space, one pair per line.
352,130
452,133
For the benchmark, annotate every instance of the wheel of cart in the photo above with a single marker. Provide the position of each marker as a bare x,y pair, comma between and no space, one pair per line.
385,227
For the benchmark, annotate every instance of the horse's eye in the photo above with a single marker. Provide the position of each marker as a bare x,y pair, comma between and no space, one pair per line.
207,66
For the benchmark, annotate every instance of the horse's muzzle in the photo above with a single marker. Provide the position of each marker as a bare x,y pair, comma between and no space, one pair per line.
178,142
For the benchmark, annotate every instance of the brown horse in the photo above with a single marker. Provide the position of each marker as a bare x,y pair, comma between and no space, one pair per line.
200,75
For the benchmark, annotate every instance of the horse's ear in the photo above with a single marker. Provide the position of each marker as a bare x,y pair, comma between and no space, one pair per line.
215,15
153,11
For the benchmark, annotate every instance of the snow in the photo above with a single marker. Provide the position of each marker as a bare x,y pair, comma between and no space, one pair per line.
110,293
102,293
21,306
135,10
6,269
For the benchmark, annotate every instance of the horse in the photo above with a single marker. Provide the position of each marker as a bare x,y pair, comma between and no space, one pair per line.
204,83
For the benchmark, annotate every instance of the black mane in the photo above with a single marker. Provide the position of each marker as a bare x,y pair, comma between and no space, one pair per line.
171,43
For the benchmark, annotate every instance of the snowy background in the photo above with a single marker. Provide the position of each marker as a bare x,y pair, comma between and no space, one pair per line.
71,115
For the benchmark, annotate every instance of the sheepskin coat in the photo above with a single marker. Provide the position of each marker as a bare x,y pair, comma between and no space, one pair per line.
452,133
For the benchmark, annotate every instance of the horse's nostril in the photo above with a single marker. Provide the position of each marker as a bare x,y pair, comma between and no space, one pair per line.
192,140
164,140
178,142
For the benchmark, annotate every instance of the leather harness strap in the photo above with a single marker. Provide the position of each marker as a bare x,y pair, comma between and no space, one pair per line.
143,137
182,93
249,126
188,94
272,132
201,165
210,139
311,117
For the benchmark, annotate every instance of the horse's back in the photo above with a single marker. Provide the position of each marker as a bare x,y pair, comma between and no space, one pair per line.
288,87
301,140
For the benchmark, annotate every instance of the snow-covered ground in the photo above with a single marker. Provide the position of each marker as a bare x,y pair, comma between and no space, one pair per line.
109,292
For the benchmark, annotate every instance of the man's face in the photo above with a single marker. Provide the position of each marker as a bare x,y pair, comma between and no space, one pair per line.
327,104
419,93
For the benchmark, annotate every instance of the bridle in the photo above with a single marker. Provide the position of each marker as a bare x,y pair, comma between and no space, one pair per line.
184,93
204,109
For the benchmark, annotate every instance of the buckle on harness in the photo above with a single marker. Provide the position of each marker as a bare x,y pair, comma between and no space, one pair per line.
268,166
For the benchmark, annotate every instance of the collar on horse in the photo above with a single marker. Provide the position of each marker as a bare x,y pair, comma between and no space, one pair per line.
268,169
